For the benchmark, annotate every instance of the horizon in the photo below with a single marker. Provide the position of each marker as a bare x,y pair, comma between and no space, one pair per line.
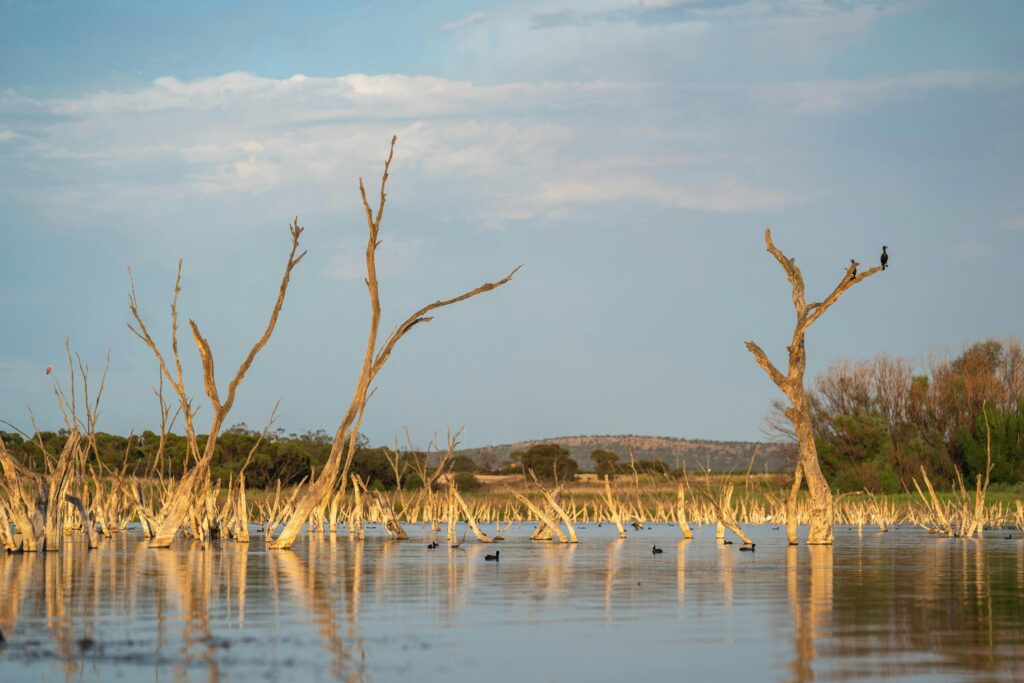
632,175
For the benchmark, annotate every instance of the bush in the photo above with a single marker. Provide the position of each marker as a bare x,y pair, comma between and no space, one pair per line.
466,481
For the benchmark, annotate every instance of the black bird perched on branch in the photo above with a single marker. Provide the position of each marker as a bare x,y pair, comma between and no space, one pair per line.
853,273
494,557
655,550
885,258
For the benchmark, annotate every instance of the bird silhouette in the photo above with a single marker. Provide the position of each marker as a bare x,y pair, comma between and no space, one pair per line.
432,544
494,557
885,258
655,550
748,548
853,273
726,542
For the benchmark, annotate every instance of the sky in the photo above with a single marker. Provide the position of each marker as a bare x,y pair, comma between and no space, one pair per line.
628,153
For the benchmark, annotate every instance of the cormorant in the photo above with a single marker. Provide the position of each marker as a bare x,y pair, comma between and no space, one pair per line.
853,264
494,557
655,550
885,258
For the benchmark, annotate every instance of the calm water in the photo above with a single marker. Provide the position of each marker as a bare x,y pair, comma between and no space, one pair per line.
903,606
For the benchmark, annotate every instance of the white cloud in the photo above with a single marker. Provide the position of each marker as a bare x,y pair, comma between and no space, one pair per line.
725,196
1015,222
282,144
6,135
465,22
828,97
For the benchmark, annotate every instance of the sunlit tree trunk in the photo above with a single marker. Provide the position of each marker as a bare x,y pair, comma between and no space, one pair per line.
343,449
792,385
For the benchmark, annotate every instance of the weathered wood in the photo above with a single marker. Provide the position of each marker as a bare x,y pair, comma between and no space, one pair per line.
374,358
792,385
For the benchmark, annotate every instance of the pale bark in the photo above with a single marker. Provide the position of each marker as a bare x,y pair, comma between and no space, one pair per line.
374,359
681,511
173,513
470,519
792,385
541,516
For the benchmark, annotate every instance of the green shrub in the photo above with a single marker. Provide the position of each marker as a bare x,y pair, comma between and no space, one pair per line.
466,481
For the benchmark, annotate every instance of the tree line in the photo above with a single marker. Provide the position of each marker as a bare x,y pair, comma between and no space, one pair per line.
877,422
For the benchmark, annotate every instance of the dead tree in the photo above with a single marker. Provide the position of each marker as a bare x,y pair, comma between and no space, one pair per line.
182,497
374,358
792,385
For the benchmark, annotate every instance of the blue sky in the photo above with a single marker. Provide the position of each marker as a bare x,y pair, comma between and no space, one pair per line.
629,153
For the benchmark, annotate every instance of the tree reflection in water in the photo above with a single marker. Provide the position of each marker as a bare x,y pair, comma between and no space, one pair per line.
901,604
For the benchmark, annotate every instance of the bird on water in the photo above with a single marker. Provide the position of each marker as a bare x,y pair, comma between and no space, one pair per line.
432,545
494,557
885,258
748,548
655,550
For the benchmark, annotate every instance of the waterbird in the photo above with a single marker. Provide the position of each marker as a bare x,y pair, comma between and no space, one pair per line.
638,526
432,545
748,548
885,257
655,550
494,557
726,541
775,528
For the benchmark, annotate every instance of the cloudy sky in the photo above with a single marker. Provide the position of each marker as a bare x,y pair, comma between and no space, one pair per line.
628,152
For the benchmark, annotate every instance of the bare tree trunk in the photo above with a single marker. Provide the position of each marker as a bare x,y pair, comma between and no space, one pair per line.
177,507
345,438
681,511
470,519
792,385
792,522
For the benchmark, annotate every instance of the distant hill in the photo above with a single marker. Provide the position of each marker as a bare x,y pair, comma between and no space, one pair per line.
694,454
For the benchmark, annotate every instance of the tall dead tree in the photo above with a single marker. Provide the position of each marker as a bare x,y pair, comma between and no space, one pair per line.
374,358
181,498
792,385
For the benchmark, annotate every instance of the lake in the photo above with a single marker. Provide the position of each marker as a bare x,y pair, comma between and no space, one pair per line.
903,605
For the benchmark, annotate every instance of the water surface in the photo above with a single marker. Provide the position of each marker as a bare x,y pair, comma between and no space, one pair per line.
904,605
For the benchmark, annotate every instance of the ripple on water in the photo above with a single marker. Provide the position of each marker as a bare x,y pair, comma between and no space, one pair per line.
903,605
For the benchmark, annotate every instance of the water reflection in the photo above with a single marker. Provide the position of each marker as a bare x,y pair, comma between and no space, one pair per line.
896,605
